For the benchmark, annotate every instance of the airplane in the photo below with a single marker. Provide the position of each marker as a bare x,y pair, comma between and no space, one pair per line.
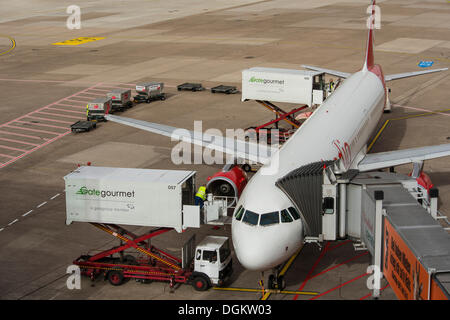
339,128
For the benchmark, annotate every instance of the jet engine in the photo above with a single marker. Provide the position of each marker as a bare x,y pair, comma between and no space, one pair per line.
424,181
227,183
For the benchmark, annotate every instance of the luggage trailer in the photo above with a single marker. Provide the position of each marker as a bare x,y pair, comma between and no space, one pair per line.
152,265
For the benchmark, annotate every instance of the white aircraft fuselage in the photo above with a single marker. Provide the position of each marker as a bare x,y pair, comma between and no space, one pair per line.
266,226
339,128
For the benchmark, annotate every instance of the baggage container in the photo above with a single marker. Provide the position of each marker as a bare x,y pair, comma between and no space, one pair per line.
140,197
121,99
283,85
98,108
148,91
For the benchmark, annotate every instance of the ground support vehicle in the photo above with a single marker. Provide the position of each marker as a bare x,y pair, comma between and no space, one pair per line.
207,264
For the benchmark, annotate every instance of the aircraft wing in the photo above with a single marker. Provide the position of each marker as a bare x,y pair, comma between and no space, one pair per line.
238,148
410,74
329,71
374,161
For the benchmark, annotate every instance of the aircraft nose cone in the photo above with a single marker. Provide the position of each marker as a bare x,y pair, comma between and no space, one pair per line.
259,248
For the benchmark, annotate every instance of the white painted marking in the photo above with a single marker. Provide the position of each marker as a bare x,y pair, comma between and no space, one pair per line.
12,222
25,214
2,229
41,204
54,196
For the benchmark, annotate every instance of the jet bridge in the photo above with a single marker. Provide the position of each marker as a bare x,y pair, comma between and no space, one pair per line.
386,213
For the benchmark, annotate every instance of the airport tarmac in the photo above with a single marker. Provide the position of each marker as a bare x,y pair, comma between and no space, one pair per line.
177,42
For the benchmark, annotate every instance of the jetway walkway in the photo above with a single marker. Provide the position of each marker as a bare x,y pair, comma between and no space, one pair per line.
385,212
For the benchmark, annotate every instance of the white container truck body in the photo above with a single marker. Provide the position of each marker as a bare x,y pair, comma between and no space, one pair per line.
140,197
281,85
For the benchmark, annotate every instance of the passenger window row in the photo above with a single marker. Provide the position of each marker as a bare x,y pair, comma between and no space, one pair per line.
266,219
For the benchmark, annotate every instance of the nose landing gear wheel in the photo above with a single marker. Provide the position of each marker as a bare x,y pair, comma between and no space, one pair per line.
276,283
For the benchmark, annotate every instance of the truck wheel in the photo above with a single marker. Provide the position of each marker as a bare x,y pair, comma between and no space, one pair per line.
147,100
115,277
200,284
163,97
246,167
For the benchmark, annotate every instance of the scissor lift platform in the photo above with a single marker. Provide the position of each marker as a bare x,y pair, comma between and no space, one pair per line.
153,263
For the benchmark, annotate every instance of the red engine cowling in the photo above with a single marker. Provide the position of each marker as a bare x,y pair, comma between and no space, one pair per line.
227,183
425,181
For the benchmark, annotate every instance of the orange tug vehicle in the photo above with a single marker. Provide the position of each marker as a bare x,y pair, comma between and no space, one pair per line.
207,264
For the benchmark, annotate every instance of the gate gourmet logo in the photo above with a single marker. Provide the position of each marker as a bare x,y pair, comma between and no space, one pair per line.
265,81
104,193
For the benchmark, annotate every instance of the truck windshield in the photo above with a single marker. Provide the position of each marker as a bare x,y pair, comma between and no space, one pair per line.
224,251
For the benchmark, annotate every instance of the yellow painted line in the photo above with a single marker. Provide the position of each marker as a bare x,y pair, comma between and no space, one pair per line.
77,41
290,261
283,271
13,44
377,136
421,114
306,293
238,289
268,291
266,296
403,118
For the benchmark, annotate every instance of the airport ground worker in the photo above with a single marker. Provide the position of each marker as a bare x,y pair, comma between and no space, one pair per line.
200,196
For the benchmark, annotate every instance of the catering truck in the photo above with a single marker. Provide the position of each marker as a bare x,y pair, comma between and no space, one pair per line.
284,85
109,198
140,197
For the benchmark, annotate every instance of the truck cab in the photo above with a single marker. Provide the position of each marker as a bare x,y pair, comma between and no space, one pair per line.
213,263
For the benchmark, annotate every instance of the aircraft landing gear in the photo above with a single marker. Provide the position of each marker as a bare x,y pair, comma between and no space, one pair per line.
276,281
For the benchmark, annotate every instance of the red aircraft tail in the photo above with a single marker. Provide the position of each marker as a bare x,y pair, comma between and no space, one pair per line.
369,61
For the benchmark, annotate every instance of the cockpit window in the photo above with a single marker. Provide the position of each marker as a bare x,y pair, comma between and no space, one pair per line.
239,213
294,213
251,218
285,216
269,218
